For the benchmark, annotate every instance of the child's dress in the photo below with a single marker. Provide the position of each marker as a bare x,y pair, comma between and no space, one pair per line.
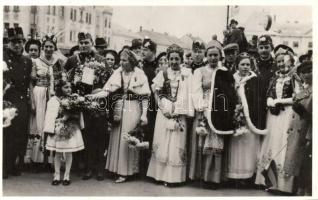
72,141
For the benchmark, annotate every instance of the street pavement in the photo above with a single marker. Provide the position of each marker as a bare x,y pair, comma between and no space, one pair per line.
39,184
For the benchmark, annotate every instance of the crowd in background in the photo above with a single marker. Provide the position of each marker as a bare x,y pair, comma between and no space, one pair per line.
225,114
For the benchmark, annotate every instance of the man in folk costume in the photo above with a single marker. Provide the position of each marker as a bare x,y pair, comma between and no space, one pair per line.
15,136
198,49
265,69
150,64
90,81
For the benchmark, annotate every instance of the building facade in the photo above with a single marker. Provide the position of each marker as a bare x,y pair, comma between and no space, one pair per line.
64,21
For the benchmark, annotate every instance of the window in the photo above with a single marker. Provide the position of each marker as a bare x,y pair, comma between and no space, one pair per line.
16,25
295,44
71,13
54,10
6,26
285,43
71,35
106,22
16,9
90,18
74,15
309,44
109,24
81,14
48,10
86,19
62,11
6,8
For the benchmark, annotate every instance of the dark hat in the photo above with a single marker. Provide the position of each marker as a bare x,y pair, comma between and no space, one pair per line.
149,44
100,42
198,44
15,33
282,49
305,67
84,36
30,42
265,40
231,47
233,21
136,44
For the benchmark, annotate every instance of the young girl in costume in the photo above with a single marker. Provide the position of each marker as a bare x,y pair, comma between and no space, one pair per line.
64,132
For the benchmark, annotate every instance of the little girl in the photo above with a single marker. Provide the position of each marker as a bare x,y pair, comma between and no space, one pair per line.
64,132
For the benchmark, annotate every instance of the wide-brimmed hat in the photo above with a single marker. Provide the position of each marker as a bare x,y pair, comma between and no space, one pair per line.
100,42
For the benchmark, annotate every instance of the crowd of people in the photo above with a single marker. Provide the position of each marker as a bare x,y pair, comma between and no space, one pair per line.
220,114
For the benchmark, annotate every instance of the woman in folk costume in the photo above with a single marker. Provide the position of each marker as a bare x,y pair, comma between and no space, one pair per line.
282,89
47,69
63,129
172,89
243,149
131,84
299,142
214,100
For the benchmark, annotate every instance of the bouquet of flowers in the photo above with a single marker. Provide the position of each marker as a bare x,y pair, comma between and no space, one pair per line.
201,128
174,123
64,129
239,120
96,107
9,113
135,138
73,103
88,72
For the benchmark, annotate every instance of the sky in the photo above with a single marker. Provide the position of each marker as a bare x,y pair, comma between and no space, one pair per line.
203,21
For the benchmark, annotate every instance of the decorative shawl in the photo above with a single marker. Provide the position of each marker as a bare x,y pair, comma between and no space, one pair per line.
208,112
183,104
138,84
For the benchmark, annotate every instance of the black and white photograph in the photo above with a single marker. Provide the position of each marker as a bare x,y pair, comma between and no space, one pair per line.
156,100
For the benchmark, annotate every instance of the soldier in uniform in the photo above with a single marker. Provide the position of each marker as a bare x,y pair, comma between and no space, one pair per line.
265,69
95,134
150,64
198,49
15,136
231,52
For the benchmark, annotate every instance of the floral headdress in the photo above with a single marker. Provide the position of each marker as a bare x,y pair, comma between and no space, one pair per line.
51,38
